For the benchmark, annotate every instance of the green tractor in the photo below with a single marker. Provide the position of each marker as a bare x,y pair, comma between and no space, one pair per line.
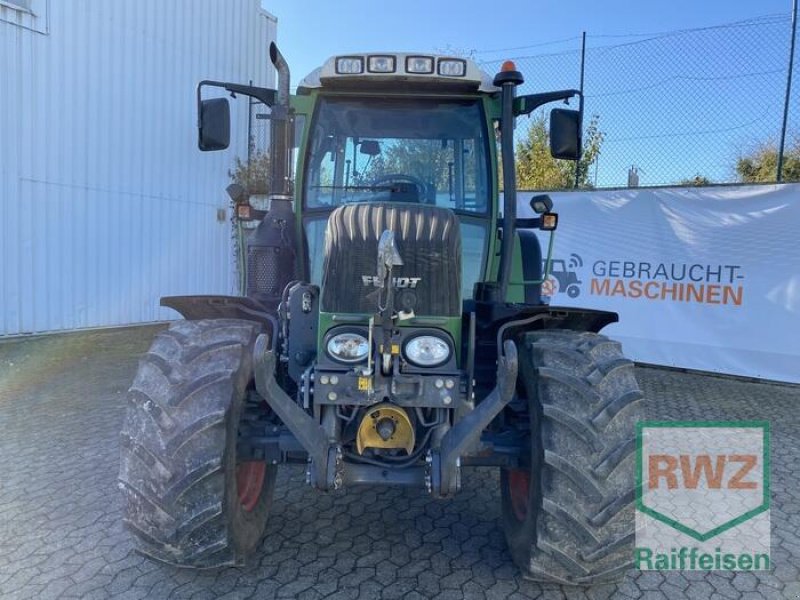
392,331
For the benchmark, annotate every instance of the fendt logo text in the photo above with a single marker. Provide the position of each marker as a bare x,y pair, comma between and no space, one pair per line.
703,496
398,282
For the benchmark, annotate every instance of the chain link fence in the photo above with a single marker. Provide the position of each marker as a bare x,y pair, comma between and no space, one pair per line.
259,126
684,107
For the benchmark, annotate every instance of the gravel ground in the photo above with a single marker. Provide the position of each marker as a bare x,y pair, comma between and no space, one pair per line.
61,406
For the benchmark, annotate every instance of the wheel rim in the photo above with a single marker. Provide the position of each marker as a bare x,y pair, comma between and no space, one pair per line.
519,485
249,481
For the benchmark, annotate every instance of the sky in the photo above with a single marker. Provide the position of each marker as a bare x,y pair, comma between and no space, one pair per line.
717,98
310,32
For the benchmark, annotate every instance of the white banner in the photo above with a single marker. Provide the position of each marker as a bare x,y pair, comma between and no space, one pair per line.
702,278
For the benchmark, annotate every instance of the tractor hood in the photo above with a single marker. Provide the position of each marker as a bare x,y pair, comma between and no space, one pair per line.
428,243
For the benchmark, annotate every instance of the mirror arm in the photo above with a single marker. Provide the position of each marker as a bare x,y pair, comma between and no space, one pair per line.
528,223
524,105
265,95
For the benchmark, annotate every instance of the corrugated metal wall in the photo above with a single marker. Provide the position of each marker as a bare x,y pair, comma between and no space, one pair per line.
105,202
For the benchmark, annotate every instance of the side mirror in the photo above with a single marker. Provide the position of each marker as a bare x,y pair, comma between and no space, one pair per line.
214,124
370,147
565,134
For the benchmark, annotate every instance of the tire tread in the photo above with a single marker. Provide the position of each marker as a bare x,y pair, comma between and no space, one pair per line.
588,401
173,441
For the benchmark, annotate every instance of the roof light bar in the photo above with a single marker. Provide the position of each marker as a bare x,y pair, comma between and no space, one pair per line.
387,69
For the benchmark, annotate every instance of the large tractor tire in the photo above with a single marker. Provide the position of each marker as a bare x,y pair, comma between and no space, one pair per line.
568,512
189,501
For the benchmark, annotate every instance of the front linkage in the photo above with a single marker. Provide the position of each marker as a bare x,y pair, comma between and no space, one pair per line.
327,470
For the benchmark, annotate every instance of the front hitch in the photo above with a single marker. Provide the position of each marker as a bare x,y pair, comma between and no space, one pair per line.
444,464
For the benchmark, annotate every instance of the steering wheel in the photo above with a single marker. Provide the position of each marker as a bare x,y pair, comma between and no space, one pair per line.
422,187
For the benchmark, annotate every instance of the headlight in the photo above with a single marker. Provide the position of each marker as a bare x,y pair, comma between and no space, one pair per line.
348,347
427,351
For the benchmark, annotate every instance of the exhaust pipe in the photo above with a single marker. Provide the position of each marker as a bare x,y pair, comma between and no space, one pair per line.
279,146
283,74
271,247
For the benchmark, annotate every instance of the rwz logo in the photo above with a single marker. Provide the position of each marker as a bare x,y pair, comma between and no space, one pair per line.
702,477
663,467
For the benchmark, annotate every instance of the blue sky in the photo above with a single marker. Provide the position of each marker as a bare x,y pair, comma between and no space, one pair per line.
309,32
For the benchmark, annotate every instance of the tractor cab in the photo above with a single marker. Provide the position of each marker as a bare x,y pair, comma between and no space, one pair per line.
388,275
383,142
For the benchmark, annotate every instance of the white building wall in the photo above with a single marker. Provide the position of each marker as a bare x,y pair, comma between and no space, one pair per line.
106,204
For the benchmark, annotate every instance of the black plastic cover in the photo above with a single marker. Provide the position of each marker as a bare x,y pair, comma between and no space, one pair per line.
531,265
429,241
270,254
303,309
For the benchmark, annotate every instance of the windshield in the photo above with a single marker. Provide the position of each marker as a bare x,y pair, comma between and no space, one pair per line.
429,151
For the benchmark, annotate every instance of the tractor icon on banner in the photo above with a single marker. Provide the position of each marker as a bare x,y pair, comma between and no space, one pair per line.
563,277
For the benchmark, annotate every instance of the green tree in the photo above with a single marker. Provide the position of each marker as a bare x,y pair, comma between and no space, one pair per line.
538,170
424,158
760,165
696,181
253,173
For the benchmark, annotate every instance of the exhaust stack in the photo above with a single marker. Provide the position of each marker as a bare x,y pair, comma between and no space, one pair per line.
279,146
270,248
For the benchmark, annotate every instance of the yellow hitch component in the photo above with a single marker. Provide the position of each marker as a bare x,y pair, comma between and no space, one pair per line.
385,426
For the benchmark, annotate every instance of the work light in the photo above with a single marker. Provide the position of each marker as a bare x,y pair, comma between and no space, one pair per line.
380,64
541,204
419,64
349,65
244,212
549,221
452,67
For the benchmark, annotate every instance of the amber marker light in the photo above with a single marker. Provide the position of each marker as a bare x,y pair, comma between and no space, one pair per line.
243,212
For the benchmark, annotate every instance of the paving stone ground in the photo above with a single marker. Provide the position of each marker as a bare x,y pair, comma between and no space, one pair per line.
61,407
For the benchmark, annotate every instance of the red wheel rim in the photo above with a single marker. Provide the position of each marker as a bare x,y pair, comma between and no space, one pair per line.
249,481
519,485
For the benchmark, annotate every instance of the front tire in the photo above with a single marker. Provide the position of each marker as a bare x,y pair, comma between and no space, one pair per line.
189,501
568,512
